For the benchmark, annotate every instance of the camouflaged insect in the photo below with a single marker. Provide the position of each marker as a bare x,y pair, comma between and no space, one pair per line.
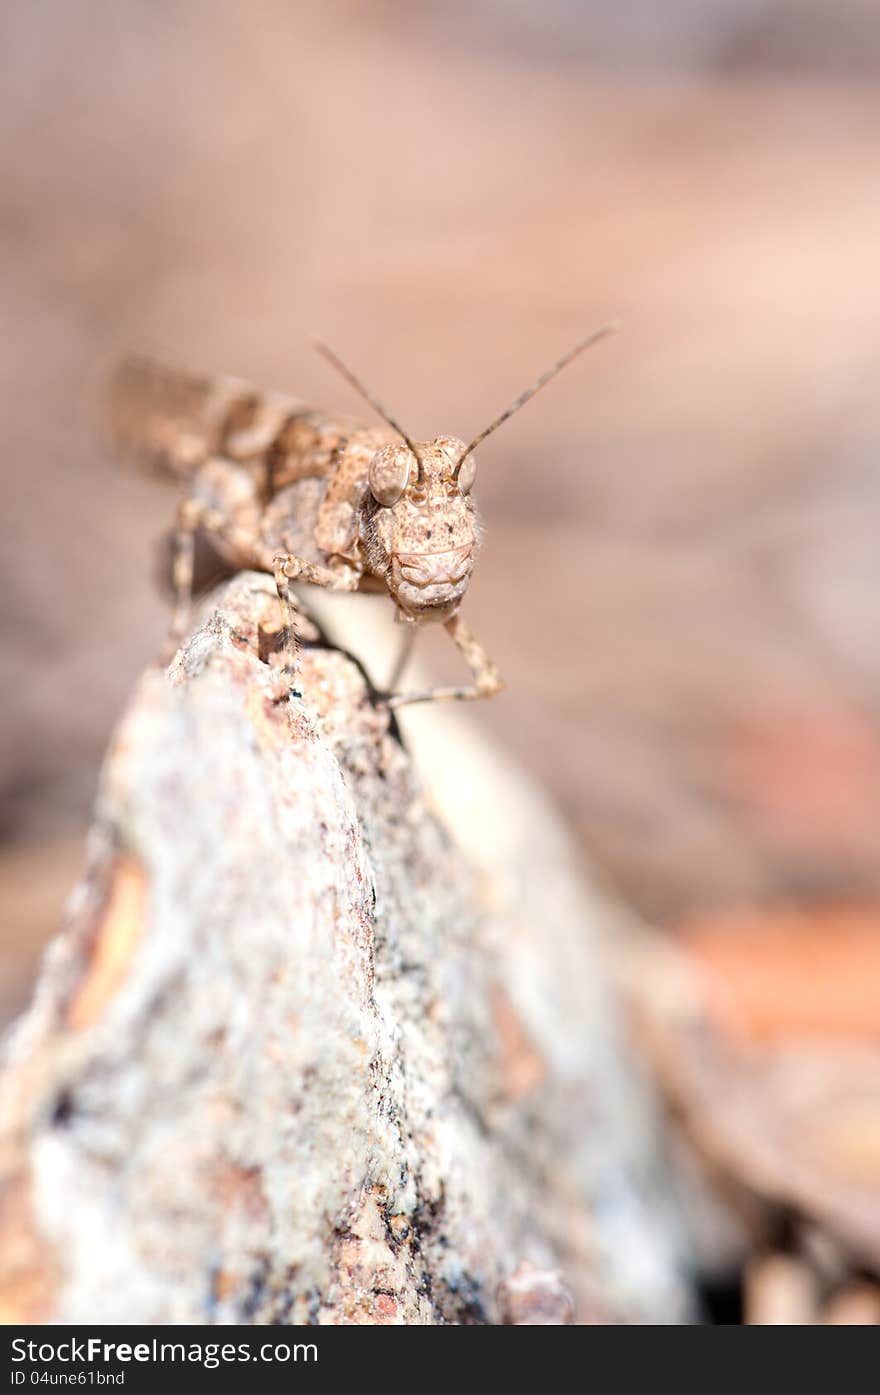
307,497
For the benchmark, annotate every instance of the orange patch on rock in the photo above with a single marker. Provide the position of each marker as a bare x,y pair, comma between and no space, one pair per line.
117,937
522,1066
386,1308
28,1268
268,719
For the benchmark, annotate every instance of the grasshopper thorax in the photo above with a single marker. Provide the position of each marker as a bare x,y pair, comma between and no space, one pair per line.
423,527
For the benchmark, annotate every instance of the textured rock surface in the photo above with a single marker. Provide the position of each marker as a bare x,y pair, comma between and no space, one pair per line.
294,1056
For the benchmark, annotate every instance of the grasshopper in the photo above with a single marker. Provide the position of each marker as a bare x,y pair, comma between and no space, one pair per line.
284,488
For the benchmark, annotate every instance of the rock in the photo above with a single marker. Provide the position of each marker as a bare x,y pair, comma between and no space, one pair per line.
304,1053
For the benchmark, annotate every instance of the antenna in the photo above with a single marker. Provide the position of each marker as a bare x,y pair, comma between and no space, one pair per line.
326,352
544,379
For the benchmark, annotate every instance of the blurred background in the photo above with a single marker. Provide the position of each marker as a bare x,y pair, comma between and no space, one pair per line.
681,572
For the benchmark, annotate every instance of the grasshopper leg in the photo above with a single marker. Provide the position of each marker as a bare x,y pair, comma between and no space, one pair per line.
289,569
404,654
231,520
487,680
189,516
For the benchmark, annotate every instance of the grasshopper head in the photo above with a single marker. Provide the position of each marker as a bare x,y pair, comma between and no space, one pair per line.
421,526
424,524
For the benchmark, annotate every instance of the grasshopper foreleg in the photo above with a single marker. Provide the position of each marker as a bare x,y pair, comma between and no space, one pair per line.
487,680
289,569
404,654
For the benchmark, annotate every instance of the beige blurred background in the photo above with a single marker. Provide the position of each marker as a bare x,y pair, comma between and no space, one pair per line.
681,573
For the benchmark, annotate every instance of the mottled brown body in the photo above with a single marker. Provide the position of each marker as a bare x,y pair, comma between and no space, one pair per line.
308,497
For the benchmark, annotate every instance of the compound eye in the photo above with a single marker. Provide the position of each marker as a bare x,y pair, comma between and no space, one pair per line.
389,473
467,474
